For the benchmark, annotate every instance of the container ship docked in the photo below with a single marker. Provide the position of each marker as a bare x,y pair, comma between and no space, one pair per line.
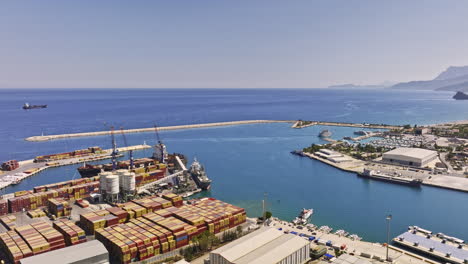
198,174
303,217
158,164
370,174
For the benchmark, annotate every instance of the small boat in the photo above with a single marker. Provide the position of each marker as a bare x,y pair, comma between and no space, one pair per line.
197,171
27,106
303,217
325,133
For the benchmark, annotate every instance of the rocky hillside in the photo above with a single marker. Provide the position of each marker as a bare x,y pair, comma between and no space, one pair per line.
452,79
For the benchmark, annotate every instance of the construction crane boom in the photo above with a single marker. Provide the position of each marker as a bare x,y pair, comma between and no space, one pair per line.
130,151
157,133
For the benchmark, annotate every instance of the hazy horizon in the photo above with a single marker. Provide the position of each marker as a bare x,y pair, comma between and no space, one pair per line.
221,44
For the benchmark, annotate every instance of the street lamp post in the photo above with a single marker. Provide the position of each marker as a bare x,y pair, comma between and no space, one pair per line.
388,218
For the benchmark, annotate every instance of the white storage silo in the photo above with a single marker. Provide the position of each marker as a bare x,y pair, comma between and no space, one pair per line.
103,180
128,183
112,184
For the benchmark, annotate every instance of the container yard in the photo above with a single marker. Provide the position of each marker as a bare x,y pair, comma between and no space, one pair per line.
16,171
132,231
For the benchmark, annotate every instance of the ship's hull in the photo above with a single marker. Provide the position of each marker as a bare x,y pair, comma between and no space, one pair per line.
204,185
412,183
34,107
89,172
93,170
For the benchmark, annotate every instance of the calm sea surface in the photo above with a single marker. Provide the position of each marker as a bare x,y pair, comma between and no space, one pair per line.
247,160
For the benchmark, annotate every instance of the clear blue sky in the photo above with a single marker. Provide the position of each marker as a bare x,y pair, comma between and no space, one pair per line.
216,43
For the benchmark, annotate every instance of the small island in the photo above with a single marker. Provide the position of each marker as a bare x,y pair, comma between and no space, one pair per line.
460,96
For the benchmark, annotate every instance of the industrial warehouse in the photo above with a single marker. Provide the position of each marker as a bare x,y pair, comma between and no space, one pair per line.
267,245
416,157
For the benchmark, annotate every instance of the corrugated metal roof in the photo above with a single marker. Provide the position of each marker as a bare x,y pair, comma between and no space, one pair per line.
80,253
411,152
247,244
267,245
274,251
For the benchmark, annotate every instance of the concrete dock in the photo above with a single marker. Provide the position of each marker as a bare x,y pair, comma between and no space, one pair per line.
342,124
375,252
151,129
357,166
8,178
434,246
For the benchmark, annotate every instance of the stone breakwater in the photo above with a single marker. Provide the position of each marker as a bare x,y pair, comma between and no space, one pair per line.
150,129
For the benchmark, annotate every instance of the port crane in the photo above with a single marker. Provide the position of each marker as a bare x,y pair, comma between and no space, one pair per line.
114,150
130,151
159,148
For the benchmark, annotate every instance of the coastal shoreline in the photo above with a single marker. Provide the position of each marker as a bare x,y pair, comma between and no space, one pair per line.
356,166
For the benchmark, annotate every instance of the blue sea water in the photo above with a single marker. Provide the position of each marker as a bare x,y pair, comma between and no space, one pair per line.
247,160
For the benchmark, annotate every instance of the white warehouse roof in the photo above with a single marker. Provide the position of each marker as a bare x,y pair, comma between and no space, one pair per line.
267,245
88,252
246,244
274,251
410,153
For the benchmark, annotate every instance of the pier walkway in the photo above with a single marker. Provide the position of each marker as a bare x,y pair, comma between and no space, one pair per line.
231,123
151,129
297,124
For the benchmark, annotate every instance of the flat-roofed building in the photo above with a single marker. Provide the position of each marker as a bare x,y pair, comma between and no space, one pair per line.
416,157
263,246
84,253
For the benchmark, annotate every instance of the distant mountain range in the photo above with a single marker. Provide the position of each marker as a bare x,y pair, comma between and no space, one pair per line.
454,78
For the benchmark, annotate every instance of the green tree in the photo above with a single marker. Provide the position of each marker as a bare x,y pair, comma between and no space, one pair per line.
268,214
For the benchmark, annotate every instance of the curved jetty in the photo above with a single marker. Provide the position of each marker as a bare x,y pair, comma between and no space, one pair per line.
150,129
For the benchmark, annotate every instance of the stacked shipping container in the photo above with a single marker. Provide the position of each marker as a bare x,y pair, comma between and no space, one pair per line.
14,246
59,207
72,233
8,221
72,154
35,200
10,165
3,207
37,213
166,229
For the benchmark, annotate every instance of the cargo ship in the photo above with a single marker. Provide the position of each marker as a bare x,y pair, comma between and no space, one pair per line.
159,161
325,133
370,174
303,217
199,175
27,106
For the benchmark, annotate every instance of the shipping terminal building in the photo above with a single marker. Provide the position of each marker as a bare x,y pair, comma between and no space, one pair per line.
264,246
415,157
